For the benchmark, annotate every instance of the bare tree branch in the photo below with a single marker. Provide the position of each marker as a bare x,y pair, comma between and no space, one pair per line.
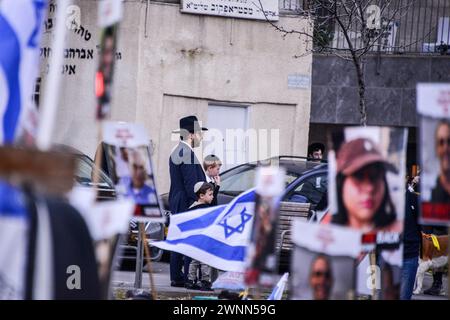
332,20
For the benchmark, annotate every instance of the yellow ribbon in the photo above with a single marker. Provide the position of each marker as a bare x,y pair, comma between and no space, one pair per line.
435,242
243,295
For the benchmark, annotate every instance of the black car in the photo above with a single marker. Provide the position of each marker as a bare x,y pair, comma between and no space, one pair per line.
306,181
153,230
84,177
84,173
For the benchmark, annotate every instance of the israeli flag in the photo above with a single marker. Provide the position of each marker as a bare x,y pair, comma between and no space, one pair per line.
13,243
277,292
217,236
20,30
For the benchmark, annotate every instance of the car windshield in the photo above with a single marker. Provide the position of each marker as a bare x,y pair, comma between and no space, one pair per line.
84,174
242,178
310,189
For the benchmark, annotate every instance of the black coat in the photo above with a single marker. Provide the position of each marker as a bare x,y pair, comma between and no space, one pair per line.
412,234
71,245
185,171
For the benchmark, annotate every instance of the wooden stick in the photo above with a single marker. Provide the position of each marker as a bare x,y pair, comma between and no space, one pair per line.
149,264
373,263
47,172
98,160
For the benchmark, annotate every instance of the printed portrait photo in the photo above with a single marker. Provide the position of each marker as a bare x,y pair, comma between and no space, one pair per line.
366,181
316,276
133,177
435,174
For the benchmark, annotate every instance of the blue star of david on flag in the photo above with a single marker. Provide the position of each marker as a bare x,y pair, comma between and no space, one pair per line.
198,233
230,230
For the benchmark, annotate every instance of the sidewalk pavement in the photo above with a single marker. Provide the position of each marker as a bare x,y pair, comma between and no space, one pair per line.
122,281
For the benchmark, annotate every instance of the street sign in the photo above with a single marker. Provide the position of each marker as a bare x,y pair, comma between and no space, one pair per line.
246,9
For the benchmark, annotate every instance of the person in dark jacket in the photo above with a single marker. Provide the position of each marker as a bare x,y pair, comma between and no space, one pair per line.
411,246
316,151
185,171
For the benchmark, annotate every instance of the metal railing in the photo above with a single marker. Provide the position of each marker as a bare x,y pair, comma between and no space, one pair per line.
409,26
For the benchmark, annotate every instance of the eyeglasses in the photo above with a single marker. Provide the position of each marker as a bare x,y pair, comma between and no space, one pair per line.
325,274
442,141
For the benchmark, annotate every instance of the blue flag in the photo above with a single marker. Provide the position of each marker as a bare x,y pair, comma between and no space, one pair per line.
13,242
217,236
20,30
277,292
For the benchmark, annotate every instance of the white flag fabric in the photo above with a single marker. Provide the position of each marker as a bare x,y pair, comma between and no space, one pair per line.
104,219
15,228
333,240
13,243
277,292
20,33
230,281
217,236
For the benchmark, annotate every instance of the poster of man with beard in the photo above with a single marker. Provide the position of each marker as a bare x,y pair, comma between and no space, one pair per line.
433,106
323,265
129,161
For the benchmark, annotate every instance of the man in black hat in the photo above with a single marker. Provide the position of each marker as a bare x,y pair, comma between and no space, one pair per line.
185,171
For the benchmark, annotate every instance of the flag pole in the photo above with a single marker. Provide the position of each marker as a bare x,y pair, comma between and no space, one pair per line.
104,22
51,95
149,261
373,262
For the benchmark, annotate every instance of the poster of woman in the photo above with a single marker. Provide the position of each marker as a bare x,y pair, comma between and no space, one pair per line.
367,169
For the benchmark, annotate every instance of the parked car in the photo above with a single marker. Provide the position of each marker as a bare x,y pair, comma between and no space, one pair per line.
153,230
106,191
306,181
304,197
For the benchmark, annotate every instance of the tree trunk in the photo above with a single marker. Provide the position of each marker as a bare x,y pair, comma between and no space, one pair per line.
359,64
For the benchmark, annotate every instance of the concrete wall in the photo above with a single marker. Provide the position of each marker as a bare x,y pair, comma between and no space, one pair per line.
390,88
175,65
76,125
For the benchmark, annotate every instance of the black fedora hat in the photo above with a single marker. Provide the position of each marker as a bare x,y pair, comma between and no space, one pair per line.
190,124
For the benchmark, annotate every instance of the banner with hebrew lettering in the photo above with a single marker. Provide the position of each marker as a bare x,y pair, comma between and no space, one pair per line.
245,9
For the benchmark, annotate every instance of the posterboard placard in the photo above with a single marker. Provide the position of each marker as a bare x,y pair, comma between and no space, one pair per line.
326,258
433,107
366,181
128,158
